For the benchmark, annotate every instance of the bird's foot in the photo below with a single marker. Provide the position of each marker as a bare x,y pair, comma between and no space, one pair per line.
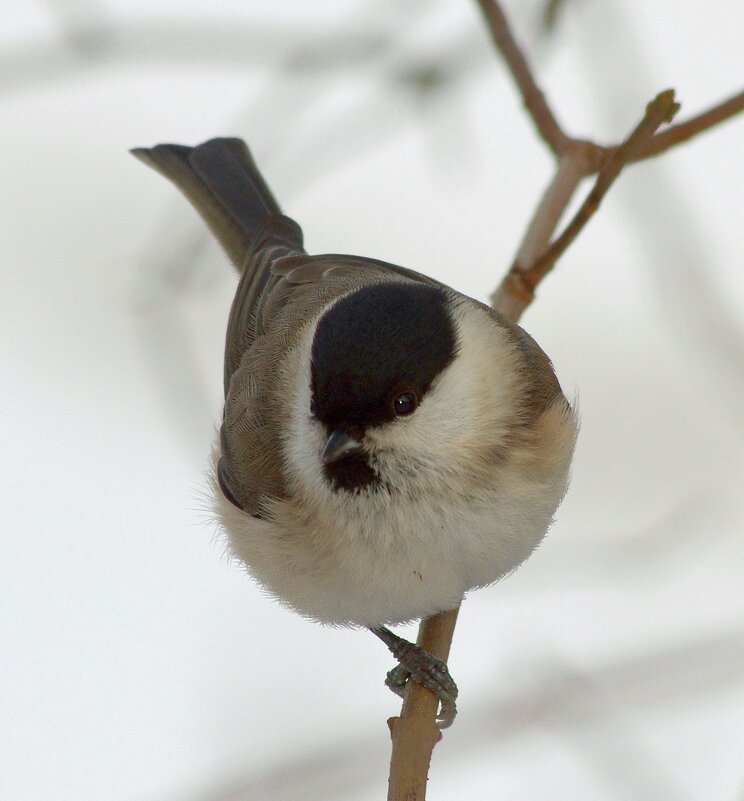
424,668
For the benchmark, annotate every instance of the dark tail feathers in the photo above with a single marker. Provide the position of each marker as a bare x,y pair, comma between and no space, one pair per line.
224,185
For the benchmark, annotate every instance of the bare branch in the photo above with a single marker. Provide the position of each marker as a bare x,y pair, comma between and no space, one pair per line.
414,733
514,294
532,96
571,169
546,122
660,110
677,134
581,158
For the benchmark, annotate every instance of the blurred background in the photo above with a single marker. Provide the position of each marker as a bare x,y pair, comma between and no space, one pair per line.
136,661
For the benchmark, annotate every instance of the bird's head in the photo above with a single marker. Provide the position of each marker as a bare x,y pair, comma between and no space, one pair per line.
408,382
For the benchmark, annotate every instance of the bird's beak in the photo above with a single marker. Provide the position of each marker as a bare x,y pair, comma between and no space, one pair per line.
339,444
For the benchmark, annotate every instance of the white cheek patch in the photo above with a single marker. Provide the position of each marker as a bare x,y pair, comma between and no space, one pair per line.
470,404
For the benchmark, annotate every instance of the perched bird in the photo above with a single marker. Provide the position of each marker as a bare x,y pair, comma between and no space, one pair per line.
387,443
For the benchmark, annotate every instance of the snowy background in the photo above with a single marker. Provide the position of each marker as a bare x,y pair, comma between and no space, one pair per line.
136,662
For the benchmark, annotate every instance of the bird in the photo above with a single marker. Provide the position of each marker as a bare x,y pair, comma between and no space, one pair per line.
387,444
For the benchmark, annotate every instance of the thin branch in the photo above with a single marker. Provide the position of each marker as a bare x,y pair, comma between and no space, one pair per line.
677,134
546,122
660,110
576,158
517,290
571,169
415,733
532,96
513,294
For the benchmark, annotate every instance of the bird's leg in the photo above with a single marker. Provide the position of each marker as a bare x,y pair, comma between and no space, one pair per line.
424,668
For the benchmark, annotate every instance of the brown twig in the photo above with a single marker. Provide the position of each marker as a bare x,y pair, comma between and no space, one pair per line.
415,733
577,158
677,134
546,122
532,95
660,110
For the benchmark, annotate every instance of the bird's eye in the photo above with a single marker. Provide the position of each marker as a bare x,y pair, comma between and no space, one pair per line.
405,403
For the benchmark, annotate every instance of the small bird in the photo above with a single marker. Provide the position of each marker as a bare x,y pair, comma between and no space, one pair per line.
387,443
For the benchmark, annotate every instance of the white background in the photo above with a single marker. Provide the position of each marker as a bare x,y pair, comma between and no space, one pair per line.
136,662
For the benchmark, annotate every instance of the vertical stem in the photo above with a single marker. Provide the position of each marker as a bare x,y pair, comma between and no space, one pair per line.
548,213
532,96
414,733
514,294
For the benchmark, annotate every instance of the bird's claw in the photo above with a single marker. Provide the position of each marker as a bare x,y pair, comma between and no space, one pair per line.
424,668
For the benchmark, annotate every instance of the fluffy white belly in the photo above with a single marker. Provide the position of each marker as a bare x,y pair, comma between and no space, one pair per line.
397,562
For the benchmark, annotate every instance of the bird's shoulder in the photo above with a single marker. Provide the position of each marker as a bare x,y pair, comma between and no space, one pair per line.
542,388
